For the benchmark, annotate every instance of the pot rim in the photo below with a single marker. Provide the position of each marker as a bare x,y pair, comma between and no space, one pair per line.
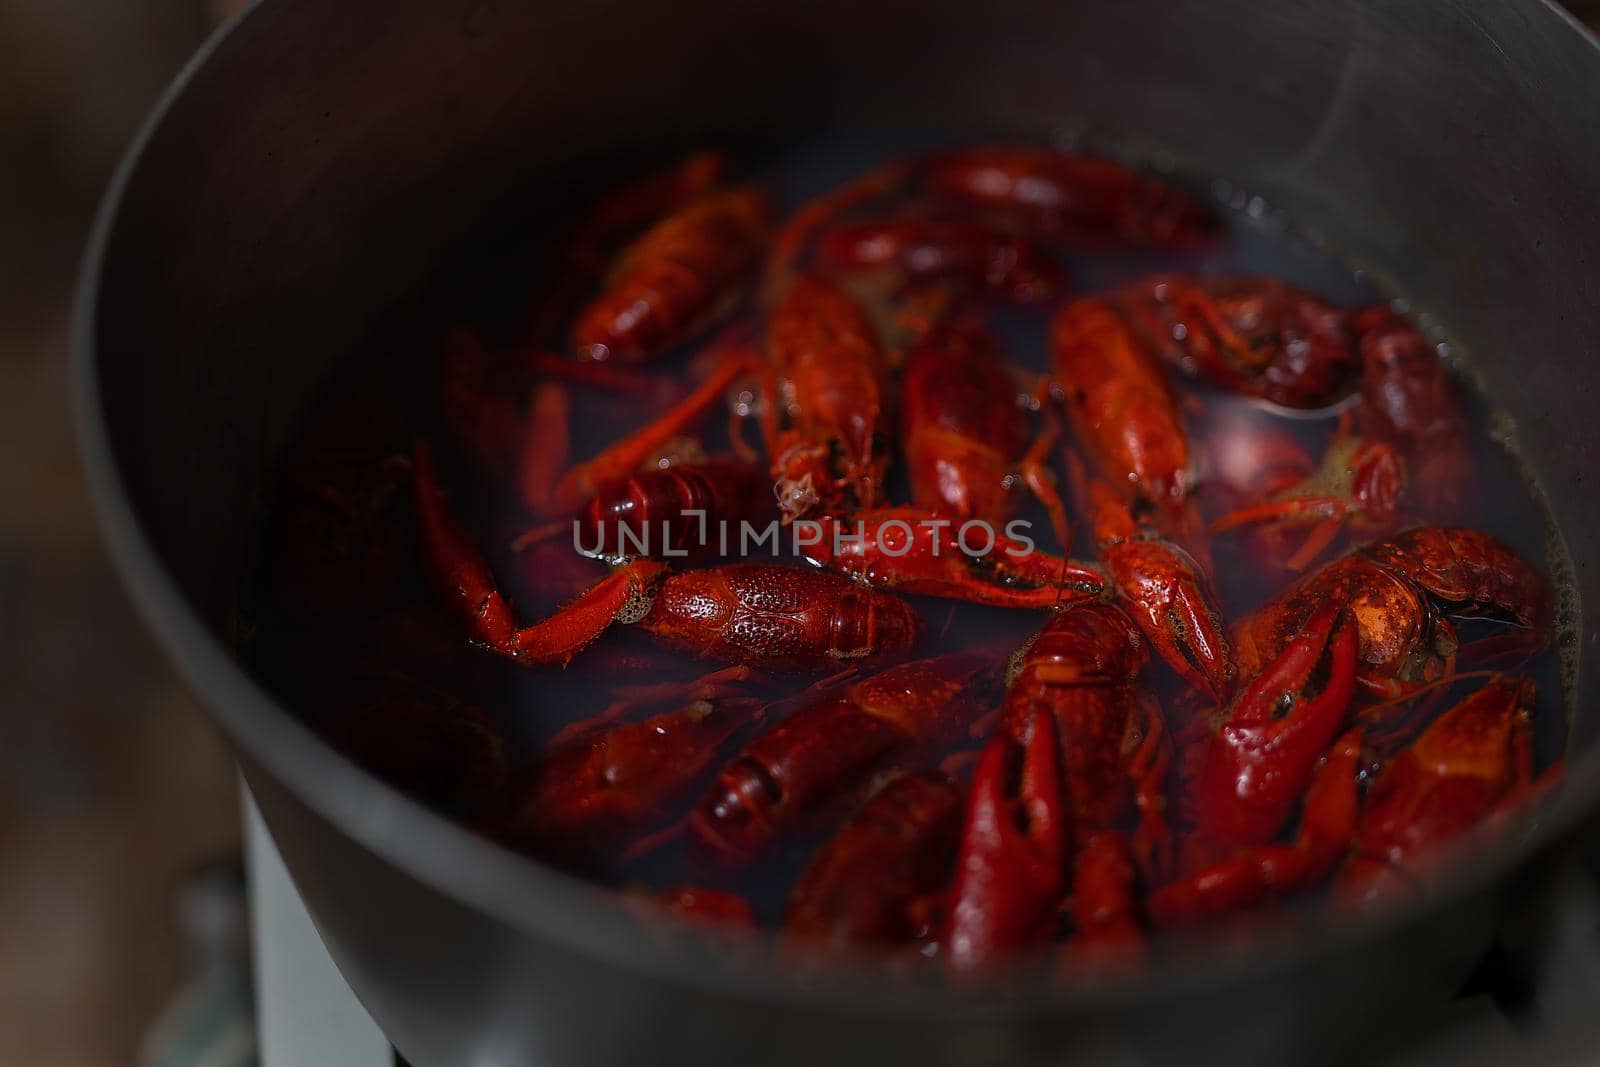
588,920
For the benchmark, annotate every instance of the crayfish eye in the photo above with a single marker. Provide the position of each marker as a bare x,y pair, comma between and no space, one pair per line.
1284,704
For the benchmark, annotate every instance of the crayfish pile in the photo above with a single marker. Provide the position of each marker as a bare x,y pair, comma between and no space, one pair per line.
973,689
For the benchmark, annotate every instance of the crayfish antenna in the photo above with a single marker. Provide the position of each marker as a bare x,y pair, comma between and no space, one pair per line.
545,446
1298,508
538,535
795,236
632,701
601,376
760,401
626,456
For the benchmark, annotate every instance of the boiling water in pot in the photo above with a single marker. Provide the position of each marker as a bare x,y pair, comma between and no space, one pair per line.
480,369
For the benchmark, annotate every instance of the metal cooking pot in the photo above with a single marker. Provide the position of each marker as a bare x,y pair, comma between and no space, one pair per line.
317,157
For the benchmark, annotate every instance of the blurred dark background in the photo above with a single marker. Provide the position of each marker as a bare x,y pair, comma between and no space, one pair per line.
113,787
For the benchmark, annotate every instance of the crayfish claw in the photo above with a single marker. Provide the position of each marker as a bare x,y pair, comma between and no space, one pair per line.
1009,868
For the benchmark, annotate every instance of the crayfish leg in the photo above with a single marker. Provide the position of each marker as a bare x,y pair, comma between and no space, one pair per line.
1034,469
453,566
575,625
702,905
1104,906
1152,844
545,445
461,580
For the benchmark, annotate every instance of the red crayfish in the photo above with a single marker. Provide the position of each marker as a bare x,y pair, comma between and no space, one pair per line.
957,805
1080,754
806,764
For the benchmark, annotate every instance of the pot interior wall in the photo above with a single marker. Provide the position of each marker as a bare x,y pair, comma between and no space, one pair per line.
321,160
